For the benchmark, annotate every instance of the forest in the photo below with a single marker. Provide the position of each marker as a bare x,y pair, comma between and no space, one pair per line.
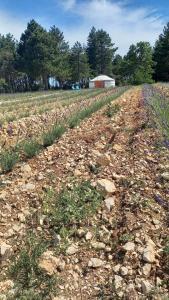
40,55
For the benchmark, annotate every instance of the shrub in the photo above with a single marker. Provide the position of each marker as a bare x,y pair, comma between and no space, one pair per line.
52,135
112,110
30,280
31,148
74,206
7,160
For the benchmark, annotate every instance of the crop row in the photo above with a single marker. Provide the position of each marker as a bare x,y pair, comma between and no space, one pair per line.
15,111
30,144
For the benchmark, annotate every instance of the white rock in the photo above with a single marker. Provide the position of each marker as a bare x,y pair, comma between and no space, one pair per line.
116,268
26,170
80,233
3,195
146,287
5,250
146,269
118,280
88,236
95,263
129,246
28,187
110,203
71,250
49,263
165,176
98,245
123,271
149,254
107,185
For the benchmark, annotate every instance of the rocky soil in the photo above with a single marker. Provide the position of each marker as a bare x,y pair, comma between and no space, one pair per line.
120,253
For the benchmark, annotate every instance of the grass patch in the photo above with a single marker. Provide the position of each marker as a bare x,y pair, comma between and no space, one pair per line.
112,110
7,160
54,134
30,281
72,207
31,148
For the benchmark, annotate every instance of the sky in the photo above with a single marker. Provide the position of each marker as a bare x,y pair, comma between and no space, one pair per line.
127,21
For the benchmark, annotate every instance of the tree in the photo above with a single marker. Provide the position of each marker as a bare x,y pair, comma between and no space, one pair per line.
117,68
79,63
161,56
59,55
34,53
7,61
137,66
100,52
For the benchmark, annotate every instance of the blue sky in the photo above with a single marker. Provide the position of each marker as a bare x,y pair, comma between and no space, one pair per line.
127,21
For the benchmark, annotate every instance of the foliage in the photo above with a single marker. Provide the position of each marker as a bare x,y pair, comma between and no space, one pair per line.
73,206
137,65
8,159
29,279
112,110
161,56
79,63
54,134
31,148
100,50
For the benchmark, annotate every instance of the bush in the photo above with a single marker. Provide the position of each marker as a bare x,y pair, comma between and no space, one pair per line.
7,160
30,280
72,207
31,149
112,110
52,135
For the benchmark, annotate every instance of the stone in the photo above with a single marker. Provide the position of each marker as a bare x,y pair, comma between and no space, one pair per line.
77,173
26,170
117,148
88,236
80,233
146,287
95,263
98,245
5,250
147,269
123,271
116,268
149,254
110,203
165,176
49,263
118,282
3,195
104,160
129,246
28,187
6,285
107,186
71,250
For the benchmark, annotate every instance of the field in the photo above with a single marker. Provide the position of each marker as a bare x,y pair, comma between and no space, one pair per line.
84,194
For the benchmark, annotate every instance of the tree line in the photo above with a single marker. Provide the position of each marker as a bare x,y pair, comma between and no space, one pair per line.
28,64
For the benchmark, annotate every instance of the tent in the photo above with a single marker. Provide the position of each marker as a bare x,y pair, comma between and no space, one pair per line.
102,81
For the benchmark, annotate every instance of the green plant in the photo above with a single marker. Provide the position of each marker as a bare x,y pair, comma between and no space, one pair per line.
31,148
7,160
29,278
73,206
54,134
112,110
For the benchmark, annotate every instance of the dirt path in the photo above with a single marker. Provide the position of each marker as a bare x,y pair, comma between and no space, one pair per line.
124,148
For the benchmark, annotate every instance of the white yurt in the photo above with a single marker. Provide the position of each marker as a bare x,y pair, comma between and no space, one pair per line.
102,81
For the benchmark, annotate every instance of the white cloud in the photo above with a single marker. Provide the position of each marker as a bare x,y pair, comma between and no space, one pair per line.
125,25
11,24
68,4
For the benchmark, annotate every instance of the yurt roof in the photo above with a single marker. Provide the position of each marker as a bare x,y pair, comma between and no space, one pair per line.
102,78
